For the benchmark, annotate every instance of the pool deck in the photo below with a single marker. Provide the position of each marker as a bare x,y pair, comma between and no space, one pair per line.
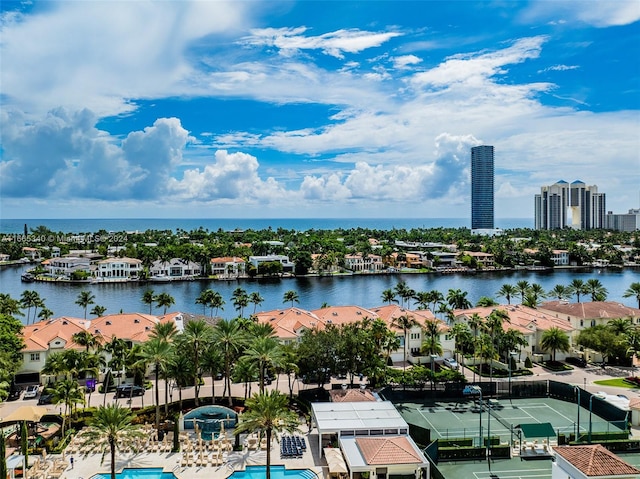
87,466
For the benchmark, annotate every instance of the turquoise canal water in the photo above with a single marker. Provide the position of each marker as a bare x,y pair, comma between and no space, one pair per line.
277,472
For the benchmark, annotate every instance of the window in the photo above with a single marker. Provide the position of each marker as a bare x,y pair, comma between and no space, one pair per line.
581,322
34,357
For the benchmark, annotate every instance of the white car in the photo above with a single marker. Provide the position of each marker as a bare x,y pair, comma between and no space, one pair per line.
451,363
31,392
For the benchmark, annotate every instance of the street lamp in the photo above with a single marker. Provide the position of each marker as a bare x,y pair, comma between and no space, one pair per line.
478,390
577,389
433,376
512,354
598,396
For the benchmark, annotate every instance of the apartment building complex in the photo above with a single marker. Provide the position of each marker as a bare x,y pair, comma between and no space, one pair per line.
574,205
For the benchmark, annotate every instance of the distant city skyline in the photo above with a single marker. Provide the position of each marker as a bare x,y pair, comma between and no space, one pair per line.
352,109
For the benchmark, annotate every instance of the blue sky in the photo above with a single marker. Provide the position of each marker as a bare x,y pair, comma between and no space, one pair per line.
314,108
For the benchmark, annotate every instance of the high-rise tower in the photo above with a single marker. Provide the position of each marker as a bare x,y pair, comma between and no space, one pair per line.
482,187
574,205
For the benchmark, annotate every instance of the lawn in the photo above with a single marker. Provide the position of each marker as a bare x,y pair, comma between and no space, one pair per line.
616,382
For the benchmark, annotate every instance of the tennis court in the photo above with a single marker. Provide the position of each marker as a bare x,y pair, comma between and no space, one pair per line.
466,419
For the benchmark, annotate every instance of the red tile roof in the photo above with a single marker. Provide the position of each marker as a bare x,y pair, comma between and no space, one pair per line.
388,450
591,309
596,460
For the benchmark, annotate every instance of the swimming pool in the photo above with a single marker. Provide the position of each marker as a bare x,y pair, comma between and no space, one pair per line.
210,420
147,473
277,472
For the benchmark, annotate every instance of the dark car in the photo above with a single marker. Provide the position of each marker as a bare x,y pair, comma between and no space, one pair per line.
45,399
128,390
577,362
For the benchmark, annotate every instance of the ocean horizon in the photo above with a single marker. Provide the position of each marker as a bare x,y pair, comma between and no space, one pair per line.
89,225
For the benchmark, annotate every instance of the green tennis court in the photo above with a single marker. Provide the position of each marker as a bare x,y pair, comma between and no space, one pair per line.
466,419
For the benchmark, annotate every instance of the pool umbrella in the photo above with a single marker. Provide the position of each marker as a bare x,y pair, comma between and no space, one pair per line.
27,413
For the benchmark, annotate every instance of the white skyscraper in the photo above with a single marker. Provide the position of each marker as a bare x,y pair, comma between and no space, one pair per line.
572,205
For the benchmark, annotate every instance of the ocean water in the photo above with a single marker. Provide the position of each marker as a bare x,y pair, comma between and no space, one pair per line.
87,225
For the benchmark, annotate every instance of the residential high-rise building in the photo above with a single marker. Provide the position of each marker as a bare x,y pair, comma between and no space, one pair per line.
624,222
572,205
482,187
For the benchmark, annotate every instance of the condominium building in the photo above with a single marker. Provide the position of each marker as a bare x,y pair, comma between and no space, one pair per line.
624,222
482,187
574,205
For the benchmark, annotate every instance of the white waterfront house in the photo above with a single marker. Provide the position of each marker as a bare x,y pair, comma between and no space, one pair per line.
118,268
228,267
176,268
66,266
287,265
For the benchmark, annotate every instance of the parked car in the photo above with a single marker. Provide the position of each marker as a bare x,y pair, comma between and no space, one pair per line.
451,363
128,390
577,362
14,393
31,392
470,391
45,399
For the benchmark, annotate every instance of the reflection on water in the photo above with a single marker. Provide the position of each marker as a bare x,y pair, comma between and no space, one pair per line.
313,292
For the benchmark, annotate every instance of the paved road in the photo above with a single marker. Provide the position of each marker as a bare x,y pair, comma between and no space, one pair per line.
96,399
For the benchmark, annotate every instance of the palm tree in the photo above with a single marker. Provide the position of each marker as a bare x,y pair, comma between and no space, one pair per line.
555,339
149,298
159,353
213,362
111,427
522,287
632,341
404,322
595,288
486,301
229,338
85,298
197,335
30,299
577,287
98,310
620,326
560,292
388,296
457,299
256,299
436,297
164,331
164,300
423,299
69,393
45,313
268,413
86,339
217,302
633,292
507,291
240,300
204,298
403,291
9,306
432,343
290,296
267,353
494,324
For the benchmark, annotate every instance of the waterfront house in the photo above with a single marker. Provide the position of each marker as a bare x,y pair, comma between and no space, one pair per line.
65,266
110,269
287,265
358,263
290,323
532,323
54,335
589,313
228,267
31,253
482,260
176,268
415,337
